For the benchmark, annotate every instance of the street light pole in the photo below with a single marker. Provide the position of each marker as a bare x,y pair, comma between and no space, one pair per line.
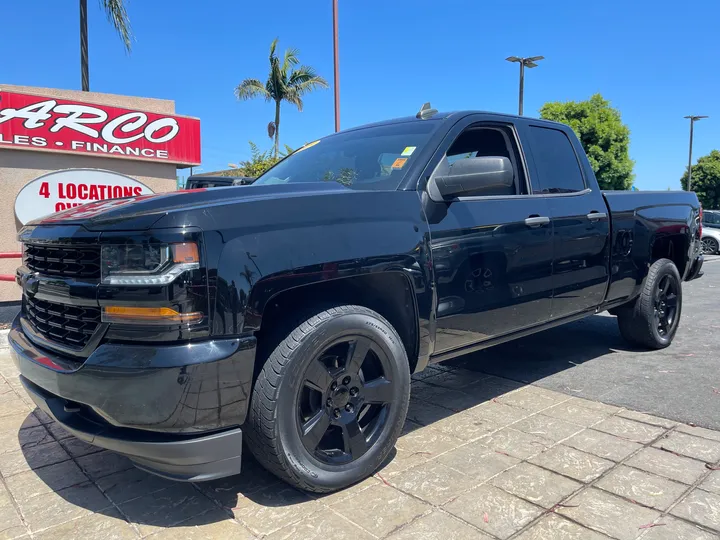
336,65
521,94
524,63
693,119
84,62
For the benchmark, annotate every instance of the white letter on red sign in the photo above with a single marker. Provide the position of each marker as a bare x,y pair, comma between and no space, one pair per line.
159,124
35,114
74,119
126,125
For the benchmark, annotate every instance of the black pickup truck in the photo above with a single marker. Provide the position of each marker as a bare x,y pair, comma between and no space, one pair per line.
290,314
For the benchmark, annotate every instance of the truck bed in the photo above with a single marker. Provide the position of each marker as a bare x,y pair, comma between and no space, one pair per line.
644,225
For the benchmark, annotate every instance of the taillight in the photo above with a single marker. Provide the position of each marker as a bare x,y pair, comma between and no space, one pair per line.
700,227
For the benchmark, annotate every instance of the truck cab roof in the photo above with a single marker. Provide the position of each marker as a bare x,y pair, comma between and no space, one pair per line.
439,116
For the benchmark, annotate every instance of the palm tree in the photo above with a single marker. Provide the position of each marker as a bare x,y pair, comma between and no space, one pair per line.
286,82
117,15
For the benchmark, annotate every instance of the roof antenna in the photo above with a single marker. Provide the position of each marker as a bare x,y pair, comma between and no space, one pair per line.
426,111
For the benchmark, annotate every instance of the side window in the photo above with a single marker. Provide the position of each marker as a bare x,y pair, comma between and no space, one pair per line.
452,159
557,165
487,142
711,218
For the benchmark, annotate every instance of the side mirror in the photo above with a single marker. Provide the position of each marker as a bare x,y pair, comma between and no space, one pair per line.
473,176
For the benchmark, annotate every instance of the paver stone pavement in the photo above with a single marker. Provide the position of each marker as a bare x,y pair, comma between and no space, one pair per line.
480,458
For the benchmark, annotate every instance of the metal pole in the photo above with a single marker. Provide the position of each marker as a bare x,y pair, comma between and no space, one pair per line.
522,86
336,65
689,186
84,63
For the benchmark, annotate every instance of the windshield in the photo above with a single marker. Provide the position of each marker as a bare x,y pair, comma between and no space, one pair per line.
370,158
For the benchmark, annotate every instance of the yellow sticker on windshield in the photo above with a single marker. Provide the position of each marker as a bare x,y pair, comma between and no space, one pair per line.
399,163
308,145
408,150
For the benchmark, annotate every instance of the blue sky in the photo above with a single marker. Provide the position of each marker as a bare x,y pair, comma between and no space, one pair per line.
655,61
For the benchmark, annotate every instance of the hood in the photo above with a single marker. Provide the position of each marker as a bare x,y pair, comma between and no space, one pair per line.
142,212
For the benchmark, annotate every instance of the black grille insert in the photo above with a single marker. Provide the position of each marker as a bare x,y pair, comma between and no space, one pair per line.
63,261
71,326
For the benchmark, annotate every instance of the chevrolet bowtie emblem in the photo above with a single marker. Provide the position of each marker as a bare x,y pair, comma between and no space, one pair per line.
31,284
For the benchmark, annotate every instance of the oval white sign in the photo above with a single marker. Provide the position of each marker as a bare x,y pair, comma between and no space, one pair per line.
60,190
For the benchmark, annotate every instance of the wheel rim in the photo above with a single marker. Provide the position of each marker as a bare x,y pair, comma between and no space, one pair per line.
666,304
344,400
709,246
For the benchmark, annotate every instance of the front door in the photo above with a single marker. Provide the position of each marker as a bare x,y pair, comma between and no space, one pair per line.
492,255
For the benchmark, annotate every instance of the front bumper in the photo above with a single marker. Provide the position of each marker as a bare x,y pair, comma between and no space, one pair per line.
174,410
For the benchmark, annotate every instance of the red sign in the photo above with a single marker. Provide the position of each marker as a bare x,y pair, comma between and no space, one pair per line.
49,124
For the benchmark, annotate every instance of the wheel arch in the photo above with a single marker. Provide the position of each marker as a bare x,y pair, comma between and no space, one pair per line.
390,293
673,247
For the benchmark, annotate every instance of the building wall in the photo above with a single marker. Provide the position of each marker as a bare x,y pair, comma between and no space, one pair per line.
160,106
18,167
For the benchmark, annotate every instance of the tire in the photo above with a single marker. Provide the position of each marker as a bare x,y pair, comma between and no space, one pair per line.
710,246
309,380
641,323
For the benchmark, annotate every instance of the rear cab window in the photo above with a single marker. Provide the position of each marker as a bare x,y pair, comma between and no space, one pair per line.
557,167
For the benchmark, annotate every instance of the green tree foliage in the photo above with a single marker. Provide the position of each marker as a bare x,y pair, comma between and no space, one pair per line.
604,137
706,180
346,177
118,17
259,162
287,81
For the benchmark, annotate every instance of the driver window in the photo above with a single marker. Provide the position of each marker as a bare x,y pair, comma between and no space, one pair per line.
486,142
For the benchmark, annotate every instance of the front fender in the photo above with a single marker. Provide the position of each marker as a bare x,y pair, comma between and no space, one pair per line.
326,237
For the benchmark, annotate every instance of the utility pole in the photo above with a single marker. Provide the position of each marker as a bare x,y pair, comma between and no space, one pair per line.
336,65
693,119
524,63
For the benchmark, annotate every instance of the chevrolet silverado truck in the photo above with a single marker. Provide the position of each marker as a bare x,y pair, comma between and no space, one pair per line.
290,314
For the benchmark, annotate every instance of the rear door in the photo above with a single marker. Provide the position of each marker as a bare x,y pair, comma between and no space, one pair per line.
579,215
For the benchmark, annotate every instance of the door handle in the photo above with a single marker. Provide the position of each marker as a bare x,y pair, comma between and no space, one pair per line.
537,221
595,216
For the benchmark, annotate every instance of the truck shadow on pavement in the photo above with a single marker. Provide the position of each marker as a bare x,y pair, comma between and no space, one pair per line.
549,352
100,481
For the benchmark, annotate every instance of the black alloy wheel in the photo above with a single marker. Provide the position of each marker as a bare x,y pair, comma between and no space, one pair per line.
666,305
331,398
652,318
344,400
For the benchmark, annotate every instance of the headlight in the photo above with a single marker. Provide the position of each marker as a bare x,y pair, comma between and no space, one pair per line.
147,264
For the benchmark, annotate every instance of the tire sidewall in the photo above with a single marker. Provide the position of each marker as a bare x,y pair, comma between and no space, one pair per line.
666,269
301,461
